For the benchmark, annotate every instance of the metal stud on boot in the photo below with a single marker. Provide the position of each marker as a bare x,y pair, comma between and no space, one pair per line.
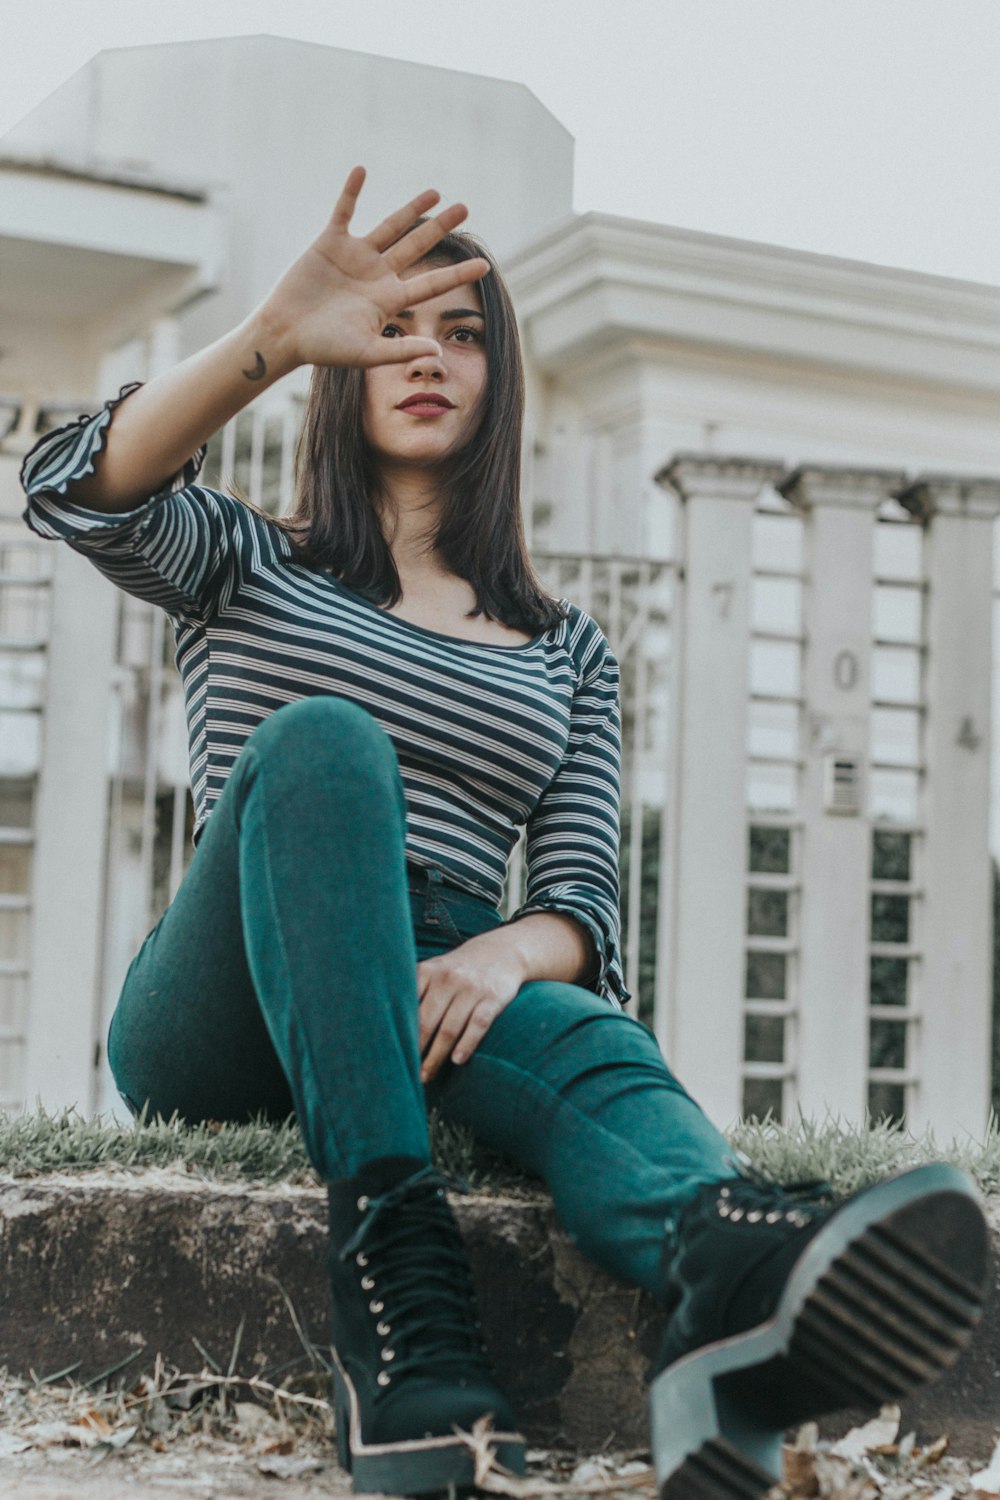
410,1370
782,1310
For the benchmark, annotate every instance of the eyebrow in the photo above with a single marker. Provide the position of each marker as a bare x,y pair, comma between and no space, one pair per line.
450,315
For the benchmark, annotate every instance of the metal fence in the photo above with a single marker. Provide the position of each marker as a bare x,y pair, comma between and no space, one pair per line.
634,599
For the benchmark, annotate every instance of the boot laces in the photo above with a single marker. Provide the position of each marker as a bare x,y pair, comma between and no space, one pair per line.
414,1265
755,1198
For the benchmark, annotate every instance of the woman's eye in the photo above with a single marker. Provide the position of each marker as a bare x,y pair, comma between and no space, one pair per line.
391,331
467,335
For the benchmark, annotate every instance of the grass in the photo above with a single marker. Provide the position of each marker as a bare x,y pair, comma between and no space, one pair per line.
845,1155
260,1151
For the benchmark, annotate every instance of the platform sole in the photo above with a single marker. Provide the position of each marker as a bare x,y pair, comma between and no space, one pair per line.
415,1466
884,1298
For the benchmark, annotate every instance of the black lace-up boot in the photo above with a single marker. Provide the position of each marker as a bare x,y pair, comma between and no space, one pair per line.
784,1306
410,1369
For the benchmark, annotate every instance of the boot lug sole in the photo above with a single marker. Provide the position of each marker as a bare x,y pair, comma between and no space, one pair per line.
871,1311
413,1466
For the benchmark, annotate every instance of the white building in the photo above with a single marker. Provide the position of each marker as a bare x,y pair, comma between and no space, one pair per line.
807,674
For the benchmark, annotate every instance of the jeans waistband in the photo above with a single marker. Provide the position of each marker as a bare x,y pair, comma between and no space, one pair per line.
434,886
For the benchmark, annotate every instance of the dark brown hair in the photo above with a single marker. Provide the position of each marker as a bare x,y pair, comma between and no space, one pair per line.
480,536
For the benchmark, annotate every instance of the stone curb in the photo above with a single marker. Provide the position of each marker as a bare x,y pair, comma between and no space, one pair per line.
101,1270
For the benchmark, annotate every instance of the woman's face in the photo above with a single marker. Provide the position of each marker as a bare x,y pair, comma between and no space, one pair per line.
426,409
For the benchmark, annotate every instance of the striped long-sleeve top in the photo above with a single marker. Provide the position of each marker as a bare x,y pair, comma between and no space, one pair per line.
489,738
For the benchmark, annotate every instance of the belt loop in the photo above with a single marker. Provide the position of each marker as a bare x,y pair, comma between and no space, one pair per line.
434,878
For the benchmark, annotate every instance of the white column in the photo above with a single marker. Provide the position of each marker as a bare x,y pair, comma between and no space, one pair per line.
841,507
70,831
701,939
954,1032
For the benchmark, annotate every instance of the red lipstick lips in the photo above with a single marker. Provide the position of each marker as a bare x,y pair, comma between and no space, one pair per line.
426,399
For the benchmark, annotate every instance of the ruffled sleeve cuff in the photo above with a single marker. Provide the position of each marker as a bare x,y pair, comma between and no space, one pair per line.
609,982
68,454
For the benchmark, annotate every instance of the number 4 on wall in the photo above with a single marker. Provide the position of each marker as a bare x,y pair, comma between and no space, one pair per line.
967,735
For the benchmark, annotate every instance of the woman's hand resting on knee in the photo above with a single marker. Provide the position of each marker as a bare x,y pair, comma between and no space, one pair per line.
462,992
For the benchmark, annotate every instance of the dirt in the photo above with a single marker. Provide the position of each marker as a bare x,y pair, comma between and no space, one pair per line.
215,1471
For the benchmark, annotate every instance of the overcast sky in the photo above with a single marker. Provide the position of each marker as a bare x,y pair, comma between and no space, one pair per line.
863,128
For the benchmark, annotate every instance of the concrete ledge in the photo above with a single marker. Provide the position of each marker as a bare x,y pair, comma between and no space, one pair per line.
95,1270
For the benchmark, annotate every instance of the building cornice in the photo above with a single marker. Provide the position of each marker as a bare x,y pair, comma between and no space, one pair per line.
107,174
595,280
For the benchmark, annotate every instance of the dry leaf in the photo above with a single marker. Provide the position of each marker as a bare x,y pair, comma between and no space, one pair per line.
799,1470
591,1469
987,1481
252,1417
280,1445
931,1454
157,1416
876,1434
121,1437
289,1468
47,1434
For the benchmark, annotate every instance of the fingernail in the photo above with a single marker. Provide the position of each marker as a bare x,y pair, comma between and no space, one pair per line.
458,1057
424,1075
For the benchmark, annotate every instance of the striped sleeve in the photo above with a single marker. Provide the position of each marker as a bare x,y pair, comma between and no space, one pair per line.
173,549
574,832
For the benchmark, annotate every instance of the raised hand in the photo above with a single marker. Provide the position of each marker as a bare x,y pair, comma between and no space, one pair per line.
331,306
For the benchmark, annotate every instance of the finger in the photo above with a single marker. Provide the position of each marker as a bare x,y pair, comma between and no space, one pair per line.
390,229
437,992
414,242
450,1028
397,351
432,1008
478,1025
444,279
343,210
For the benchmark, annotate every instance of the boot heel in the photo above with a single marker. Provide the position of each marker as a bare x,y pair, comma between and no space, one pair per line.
705,1442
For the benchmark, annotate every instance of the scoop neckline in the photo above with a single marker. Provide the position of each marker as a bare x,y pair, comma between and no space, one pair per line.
436,635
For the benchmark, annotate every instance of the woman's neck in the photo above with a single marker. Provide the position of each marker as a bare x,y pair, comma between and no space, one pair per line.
409,510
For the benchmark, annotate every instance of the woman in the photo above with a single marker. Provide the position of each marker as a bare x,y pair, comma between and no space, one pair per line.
379,697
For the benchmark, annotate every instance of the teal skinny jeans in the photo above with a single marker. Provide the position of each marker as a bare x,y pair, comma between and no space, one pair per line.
282,979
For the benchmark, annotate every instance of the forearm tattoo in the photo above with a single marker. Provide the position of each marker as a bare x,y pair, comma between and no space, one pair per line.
259,370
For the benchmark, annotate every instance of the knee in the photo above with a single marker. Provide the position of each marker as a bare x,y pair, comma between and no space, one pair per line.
316,732
573,1017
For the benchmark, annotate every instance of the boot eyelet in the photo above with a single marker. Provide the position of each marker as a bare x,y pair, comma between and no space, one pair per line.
754,1216
383,1329
363,1203
724,1193
388,1355
375,1307
368,1282
724,1210
382,1378
736,1214
361,1259
774,1217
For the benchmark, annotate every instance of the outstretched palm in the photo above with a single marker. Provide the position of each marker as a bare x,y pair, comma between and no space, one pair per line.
336,299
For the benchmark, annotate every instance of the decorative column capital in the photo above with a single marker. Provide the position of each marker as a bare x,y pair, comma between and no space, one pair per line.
840,485
951,495
694,475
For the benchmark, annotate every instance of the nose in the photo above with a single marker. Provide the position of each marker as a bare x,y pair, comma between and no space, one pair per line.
426,367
